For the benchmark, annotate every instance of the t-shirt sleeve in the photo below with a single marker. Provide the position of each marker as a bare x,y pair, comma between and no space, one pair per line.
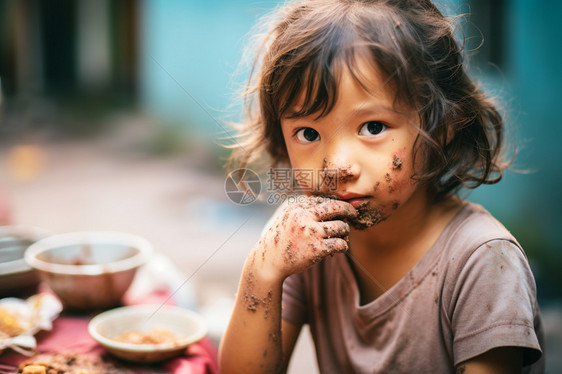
294,299
494,303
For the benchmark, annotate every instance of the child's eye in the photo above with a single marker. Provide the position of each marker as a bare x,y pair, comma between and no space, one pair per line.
372,128
307,135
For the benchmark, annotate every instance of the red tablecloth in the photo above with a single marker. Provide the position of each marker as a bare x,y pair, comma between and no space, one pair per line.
70,334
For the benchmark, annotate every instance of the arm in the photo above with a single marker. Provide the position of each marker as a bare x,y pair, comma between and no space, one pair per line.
504,360
256,340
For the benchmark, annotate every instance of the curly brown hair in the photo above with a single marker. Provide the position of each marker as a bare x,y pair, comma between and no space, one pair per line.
411,42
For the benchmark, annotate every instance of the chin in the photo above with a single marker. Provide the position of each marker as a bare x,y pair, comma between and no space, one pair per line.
367,217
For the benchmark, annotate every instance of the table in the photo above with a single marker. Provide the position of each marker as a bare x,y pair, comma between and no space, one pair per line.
70,334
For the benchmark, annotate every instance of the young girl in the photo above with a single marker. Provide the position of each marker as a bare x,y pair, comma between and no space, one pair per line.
392,271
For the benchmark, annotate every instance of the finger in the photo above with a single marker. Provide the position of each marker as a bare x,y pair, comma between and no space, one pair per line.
335,228
331,208
335,245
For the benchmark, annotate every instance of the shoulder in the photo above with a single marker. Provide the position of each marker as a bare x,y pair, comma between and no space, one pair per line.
495,266
475,225
476,245
472,229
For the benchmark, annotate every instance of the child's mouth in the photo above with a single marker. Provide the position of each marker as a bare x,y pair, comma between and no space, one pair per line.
356,202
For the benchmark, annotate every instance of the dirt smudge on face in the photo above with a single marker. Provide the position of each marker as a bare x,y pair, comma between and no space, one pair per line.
388,179
331,173
367,217
344,174
396,163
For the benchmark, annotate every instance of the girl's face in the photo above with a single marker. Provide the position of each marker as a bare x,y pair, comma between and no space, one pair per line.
360,152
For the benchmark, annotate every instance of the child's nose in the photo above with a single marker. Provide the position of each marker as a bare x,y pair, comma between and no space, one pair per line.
340,169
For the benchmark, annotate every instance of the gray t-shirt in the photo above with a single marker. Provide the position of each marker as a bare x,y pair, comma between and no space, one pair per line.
471,292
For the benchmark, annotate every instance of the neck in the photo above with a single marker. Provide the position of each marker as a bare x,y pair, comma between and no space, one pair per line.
387,251
416,224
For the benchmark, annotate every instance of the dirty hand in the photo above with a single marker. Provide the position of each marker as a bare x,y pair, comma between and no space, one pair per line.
303,234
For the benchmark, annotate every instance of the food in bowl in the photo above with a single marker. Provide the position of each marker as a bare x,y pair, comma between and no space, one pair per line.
156,335
153,322
89,270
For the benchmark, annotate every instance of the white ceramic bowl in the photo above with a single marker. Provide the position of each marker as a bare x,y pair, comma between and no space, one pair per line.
16,276
188,326
89,270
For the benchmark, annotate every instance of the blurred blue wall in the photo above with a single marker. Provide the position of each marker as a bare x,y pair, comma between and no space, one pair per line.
199,44
529,86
